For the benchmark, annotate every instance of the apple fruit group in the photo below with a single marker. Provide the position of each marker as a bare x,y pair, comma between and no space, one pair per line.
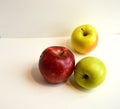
56,64
89,72
84,38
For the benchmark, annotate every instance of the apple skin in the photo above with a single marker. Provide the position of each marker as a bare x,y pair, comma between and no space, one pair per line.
84,39
89,72
56,64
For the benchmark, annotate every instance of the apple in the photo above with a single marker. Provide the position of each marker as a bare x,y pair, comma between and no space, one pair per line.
89,72
56,64
84,38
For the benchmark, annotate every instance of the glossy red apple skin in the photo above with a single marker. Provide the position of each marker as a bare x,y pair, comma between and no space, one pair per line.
56,64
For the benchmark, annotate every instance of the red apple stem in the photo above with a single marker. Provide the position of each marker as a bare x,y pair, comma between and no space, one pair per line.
61,53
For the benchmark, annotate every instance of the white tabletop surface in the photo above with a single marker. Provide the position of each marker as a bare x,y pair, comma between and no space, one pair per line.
22,86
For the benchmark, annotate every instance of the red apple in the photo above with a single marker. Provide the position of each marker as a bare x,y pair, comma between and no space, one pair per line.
56,64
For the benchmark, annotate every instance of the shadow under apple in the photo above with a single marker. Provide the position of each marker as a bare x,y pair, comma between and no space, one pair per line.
76,86
36,75
38,78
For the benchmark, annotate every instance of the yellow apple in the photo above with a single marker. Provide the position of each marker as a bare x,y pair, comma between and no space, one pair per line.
84,38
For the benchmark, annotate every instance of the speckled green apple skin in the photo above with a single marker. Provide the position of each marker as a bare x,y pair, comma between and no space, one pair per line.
89,72
84,38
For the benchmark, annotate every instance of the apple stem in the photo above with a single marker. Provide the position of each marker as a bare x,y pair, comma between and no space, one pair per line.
84,32
61,53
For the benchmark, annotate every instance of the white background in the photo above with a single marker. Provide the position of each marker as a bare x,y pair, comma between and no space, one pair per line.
44,18
52,22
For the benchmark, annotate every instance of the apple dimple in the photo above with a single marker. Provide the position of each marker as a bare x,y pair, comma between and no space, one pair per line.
85,76
85,33
60,53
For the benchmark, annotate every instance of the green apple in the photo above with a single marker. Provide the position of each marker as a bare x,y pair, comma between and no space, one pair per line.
89,72
84,38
